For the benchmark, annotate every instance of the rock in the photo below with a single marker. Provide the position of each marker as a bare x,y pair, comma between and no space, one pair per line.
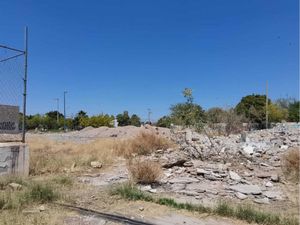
173,158
262,201
42,208
275,178
96,164
15,186
186,180
145,188
188,193
247,150
234,176
188,136
141,209
152,190
188,164
195,187
213,192
202,171
264,164
241,196
263,175
269,184
212,177
272,194
284,147
246,189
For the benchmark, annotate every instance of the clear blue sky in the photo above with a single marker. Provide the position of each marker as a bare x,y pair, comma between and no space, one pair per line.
115,55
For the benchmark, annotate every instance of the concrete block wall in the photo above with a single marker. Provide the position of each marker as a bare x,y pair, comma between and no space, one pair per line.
14,159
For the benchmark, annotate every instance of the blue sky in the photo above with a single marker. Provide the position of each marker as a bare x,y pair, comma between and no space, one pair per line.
115,55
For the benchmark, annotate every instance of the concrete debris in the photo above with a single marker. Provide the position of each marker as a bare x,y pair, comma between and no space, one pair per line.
234,176
262,201
241,196
246,166
247,189
96,164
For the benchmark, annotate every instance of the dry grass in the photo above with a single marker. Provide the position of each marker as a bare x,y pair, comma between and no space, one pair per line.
144,171
143,144
291,164
53,157
47,156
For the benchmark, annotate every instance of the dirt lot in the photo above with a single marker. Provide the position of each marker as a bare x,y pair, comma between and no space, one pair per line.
83,167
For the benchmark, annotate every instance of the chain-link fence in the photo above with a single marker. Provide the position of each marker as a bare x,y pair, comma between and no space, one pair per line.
11,93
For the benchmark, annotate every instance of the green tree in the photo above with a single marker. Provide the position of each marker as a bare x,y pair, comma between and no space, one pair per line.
123,119
165,121
277,113
253,107
53,114
135,120
188,113
294,111
188,94
216,115
76,121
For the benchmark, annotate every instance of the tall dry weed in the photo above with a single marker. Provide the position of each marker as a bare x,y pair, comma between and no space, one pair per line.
143,144
144,171
291,164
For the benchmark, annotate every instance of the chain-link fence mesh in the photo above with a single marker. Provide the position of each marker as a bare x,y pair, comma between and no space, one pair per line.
11,94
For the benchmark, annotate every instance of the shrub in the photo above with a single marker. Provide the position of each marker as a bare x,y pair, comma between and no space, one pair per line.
294,109
164,121
131,192
291,164
41,193
144,171
234,122
31,192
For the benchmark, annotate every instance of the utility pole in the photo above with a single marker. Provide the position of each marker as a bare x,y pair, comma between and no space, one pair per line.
25,84
57,109
267,103
65,92
149,116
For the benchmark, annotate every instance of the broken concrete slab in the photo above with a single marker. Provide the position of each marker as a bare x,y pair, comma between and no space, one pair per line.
246,189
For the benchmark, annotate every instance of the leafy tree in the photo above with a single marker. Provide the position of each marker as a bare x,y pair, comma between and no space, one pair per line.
76,121
188,113
97,121
277,113
135,120
165,121
188,94
253,107
216,115
123,119
53,114
294,111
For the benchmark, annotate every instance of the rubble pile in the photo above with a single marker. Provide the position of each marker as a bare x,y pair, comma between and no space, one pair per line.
245,166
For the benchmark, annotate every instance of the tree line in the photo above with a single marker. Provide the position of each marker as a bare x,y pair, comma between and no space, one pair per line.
251,109
54,120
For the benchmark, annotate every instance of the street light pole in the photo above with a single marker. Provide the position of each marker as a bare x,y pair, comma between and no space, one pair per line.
25,85
149,116
65,92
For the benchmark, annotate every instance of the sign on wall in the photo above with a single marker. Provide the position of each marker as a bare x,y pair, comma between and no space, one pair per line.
9,119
